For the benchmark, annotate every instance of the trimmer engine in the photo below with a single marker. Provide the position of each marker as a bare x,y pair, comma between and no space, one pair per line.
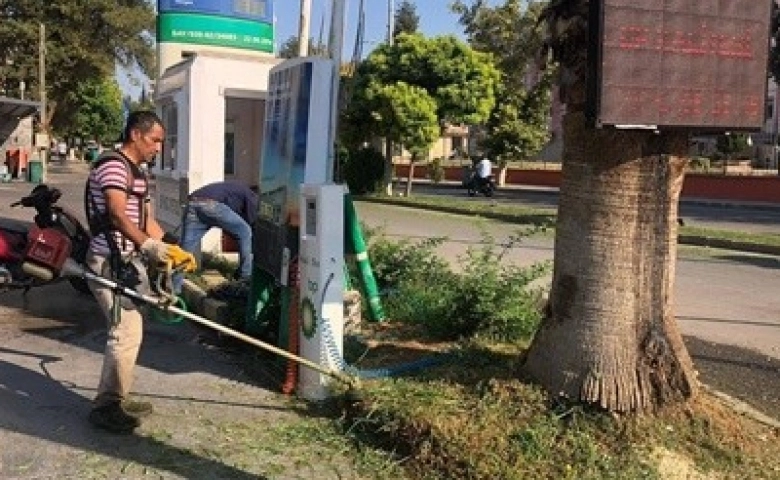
47,250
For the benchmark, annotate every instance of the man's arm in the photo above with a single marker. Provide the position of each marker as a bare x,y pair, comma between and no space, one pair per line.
153,229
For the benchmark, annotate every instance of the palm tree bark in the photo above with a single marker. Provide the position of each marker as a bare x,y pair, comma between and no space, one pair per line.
609,336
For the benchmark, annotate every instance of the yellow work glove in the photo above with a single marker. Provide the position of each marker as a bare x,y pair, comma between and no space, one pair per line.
181,259
155,250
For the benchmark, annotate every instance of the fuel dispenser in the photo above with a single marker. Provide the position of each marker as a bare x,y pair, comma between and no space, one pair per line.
321,263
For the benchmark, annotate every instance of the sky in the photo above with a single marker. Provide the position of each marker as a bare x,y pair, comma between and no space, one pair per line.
435,19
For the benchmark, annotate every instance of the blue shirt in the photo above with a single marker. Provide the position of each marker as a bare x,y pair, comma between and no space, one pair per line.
239,198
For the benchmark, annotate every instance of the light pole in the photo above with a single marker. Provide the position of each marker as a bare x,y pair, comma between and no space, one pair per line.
336,45
390,20
303,28
42,90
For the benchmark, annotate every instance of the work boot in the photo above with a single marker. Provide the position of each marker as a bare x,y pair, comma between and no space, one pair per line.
137,409
113,418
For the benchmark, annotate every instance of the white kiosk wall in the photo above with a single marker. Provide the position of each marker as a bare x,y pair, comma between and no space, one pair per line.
205,101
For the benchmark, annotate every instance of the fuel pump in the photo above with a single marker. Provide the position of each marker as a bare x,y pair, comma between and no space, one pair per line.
321,263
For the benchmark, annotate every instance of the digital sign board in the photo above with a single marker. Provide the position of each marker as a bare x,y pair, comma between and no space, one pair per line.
675,63
257,10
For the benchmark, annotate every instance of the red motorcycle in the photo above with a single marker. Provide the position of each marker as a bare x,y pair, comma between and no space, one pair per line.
17,239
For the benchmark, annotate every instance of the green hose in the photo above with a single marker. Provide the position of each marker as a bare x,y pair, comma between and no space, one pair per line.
355,244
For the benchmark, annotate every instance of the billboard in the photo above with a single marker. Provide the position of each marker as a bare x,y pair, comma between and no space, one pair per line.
699,64
256,10
227,32
295,149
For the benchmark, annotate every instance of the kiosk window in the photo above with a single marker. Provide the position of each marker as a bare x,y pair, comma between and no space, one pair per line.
170,118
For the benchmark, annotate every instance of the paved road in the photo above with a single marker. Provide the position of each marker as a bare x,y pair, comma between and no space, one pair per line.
744,216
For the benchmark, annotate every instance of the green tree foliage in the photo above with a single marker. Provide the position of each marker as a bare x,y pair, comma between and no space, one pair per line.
289,48
518,126
461,82
730,145
100,116
406,19
405,114
84,38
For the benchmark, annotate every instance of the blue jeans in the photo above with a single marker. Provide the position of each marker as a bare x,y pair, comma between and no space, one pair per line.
200,216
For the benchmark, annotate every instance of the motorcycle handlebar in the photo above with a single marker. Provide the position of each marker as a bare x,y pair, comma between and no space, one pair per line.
41,196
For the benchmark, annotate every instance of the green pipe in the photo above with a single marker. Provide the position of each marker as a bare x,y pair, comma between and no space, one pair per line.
260,291
355,244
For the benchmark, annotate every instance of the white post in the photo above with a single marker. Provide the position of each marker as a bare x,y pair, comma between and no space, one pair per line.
390,20
304,28
42,87
335,46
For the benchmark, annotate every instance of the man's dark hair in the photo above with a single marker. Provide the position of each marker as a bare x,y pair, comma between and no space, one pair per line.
142,120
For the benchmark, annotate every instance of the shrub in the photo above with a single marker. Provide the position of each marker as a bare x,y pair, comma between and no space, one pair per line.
484,298
363,170
436,170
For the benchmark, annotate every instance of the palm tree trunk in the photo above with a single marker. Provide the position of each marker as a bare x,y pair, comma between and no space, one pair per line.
609,336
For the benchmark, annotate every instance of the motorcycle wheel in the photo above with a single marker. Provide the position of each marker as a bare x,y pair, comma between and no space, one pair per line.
488,191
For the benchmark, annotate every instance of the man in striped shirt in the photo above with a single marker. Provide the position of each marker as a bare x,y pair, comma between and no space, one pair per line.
117,196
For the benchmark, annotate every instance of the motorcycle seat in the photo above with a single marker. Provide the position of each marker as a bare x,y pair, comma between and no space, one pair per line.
15,226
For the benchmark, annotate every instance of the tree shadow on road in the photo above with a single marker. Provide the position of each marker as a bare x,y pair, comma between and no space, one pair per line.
741,373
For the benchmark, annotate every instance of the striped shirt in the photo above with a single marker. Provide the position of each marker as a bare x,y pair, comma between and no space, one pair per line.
113,174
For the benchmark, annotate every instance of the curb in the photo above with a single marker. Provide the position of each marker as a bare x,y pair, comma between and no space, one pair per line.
695,240
741,407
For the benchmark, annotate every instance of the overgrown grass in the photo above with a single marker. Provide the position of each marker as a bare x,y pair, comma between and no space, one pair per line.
473,418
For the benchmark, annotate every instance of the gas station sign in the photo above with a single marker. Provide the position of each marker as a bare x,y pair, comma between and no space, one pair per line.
700,65
257,10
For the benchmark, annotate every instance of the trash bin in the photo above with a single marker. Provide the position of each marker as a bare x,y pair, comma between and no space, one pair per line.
91,155
35,169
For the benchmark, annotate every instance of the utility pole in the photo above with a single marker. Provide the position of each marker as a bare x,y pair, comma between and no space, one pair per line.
303,28
390,20
42,91
388,176
335,47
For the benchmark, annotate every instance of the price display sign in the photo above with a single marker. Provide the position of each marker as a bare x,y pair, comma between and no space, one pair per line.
679,63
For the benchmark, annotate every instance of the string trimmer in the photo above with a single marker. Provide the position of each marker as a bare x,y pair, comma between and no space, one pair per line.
48,258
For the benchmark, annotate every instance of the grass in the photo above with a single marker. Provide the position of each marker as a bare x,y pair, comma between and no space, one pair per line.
472,418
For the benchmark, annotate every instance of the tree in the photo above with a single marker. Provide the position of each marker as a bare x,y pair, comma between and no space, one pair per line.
289,48
460,81
100,115
83,39
406,115
406,19
519,125
609,336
